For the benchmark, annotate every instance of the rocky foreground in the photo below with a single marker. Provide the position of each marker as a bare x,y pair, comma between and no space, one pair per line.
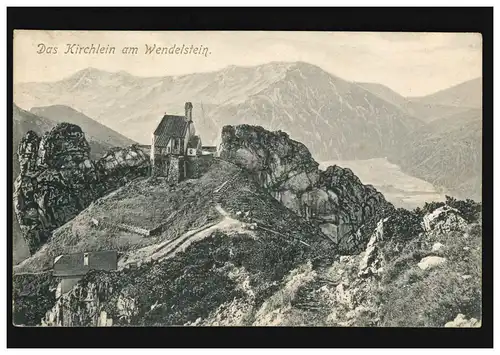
283,244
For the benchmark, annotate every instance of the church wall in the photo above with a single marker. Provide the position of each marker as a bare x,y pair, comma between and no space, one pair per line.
173,175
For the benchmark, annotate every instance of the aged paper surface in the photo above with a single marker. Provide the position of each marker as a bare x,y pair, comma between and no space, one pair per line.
247,178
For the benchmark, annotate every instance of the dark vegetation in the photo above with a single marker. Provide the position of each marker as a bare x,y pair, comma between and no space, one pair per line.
469,209
33,295
403,225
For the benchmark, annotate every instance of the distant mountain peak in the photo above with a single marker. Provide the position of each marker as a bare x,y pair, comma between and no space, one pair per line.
52,107
95,73
124,73
274,65
302,64
88,71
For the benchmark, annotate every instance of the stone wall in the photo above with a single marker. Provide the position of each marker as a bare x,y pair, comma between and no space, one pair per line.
173,176
128,228
160,166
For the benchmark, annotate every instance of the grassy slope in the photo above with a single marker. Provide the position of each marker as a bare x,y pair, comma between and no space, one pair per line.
268,276
403,295
236,279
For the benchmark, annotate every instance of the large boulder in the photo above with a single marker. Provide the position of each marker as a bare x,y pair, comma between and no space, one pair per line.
335,199
436,247
461,322
58,179
431,262
443,220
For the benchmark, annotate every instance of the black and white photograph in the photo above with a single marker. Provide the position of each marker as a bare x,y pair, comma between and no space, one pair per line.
247,179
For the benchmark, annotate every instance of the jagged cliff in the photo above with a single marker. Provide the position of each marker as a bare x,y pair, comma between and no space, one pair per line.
335,199
58,179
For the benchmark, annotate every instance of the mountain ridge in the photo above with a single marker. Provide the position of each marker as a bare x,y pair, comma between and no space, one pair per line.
448,152
215,88
456,95
93,129
233,67
434,106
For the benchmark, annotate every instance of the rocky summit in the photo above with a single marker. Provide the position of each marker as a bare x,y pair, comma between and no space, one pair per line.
63,147
334,199
58,179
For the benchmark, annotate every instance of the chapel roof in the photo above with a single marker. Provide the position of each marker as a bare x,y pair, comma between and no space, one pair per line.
171,126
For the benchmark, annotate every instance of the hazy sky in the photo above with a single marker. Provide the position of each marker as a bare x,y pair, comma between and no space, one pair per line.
412,64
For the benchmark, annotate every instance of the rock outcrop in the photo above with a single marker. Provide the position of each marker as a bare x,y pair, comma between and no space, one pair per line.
355,205
431,262
436,247
62,147
351,302
281,164
335,199
121,165
27,152
87,304
443,220
58,179
371,263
